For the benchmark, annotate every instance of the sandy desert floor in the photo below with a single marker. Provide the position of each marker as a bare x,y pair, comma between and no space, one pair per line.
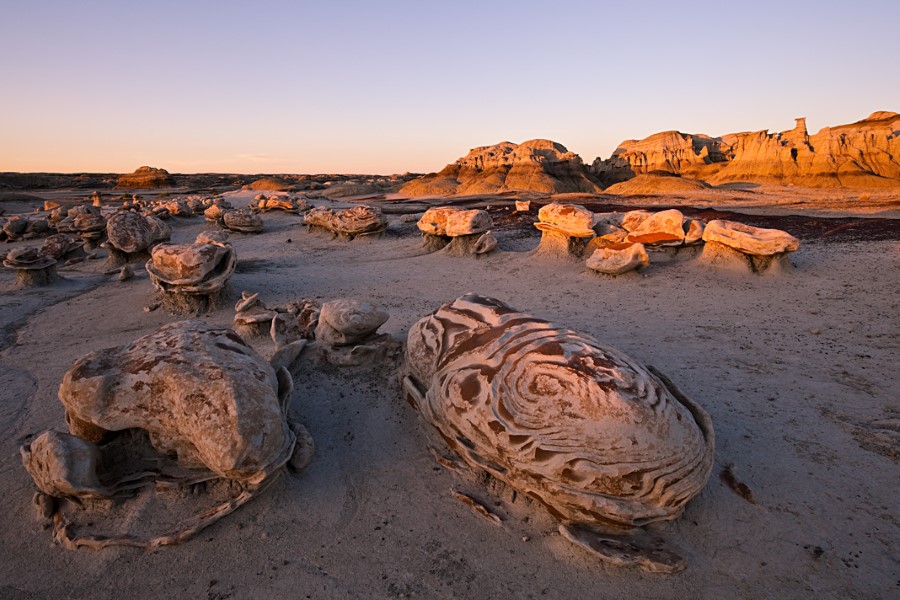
798,371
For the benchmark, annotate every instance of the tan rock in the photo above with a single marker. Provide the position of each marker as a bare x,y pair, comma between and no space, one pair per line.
664,228
450,221
345,322
749,239
434,221
535,165
146,178
571,219
859,155
358,220
199,391
616,259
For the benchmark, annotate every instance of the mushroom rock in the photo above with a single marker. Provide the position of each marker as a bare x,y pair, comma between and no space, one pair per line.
615,259
359,220
59,245
146,178
747,248
188,403
33,269
605,443
242,221
459,232
565,230
191,276
15,227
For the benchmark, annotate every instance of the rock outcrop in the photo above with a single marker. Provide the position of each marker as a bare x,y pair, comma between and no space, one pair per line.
865,154
146,178
533,166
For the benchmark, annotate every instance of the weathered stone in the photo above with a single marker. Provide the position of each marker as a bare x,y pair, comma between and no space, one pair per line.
572,220
243,221
749,239
191,268
536,165
129,232
664,228
345,322
616,259
593,435
199,391
358,220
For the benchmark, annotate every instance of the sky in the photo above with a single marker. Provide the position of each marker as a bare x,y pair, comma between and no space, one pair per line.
394,86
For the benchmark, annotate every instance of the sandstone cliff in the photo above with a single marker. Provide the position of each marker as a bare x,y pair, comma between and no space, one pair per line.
861,154
532,166
146,178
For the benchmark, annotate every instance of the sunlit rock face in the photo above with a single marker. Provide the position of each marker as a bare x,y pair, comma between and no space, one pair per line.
861,154
146,178
532,166
747,248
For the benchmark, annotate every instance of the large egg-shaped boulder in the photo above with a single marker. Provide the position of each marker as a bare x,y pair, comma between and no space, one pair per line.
199,391
129,231
589,432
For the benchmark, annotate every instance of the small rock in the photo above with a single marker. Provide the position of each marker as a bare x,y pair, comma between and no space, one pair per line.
126,273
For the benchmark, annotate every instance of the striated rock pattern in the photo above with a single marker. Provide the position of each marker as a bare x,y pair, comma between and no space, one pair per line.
350,222
864,154
198,268
146,178
745,248
593,435
533,166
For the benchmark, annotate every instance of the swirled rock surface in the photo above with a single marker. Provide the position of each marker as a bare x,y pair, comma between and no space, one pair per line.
591,433
749,239
129,231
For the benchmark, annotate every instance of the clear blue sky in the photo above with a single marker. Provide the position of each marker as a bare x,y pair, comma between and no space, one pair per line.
393,86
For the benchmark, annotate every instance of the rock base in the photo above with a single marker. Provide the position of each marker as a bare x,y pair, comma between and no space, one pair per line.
29,278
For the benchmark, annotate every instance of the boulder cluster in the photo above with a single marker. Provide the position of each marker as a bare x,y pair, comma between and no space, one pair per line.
616,243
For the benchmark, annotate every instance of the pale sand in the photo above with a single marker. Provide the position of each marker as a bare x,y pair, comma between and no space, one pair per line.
799,373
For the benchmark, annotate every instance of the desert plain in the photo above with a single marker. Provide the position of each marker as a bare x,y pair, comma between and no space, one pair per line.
797,369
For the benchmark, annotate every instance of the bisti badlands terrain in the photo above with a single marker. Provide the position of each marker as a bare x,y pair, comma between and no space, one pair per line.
670,373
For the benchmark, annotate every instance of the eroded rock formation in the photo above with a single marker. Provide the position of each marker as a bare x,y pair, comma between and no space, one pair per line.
146,178
598,438
859,155
532,166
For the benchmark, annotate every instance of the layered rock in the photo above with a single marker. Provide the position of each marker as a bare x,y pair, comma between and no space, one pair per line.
861,154
533,166
146,178
744,247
